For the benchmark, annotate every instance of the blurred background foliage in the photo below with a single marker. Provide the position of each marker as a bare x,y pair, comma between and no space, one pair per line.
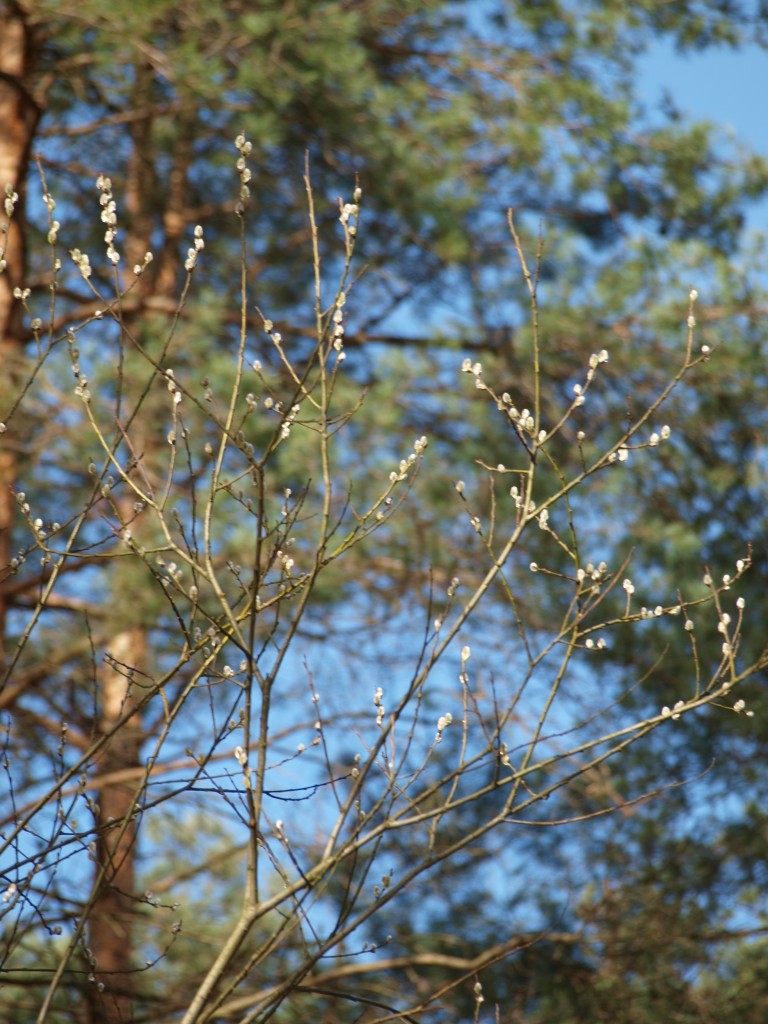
447,115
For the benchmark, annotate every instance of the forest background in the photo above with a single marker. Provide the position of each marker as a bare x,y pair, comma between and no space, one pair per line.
303,719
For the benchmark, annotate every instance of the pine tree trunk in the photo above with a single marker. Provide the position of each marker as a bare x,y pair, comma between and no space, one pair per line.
110,936
19,115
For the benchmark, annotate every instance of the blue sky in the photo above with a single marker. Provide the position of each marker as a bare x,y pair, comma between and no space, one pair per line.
728,87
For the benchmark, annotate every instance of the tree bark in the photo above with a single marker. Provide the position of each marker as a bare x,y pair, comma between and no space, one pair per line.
19,116
111,939
111,931
110,936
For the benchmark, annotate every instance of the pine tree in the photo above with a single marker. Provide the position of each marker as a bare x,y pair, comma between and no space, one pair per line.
446,115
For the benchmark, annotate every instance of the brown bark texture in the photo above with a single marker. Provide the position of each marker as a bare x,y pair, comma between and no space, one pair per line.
19,116
110,933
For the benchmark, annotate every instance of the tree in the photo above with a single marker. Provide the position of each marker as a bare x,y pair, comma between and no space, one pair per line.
312,884
19,113
423,87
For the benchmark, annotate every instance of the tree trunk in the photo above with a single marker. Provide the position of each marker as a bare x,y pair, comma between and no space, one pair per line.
110,935
19,115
